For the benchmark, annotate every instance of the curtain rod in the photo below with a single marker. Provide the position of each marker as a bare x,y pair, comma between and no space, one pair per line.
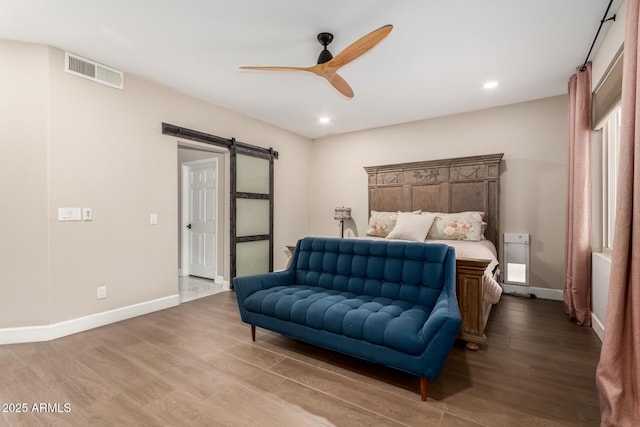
604,19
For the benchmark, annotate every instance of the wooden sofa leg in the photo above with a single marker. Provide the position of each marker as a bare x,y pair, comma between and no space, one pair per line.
423,388
253,332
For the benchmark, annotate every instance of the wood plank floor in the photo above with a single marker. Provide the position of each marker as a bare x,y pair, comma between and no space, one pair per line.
195,365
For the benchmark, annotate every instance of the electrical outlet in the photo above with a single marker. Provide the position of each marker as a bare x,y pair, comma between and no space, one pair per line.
153,219
101,292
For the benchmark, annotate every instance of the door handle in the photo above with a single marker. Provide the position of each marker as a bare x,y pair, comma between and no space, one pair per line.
189,226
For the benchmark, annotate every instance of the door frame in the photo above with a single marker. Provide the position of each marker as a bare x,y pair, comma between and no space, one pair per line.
185,168
231,145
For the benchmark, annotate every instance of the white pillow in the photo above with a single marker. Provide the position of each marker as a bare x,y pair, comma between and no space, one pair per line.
410,226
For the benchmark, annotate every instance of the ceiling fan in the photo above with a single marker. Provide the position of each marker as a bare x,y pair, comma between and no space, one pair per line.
328,65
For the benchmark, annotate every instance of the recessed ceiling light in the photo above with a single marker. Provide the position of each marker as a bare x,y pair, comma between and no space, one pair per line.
324,120
490,85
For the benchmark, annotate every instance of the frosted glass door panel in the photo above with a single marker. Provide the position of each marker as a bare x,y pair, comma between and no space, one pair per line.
252,217
253,174
252,243
252,258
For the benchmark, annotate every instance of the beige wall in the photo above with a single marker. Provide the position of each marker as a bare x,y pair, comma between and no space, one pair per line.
532,137
70,142
24,218
611,41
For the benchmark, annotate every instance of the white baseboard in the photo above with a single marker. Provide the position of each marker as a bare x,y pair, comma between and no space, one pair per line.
219,280
69,327
597,326
544,293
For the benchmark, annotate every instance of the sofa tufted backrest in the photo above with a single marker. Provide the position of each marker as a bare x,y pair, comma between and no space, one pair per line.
408,271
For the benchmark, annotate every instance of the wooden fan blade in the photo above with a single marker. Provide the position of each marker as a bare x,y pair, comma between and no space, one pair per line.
309,69
332,77
339,83
359,47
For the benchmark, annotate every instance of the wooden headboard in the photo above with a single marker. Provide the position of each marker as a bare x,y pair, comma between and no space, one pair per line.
447,185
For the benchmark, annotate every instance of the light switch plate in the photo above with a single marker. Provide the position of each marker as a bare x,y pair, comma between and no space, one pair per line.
69,214
153,219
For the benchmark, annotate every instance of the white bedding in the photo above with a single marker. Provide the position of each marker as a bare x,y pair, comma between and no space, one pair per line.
483,249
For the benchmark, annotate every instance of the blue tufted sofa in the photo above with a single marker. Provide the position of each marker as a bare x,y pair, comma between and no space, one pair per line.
388,302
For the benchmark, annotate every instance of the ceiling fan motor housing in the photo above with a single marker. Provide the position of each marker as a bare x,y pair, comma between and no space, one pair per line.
325,39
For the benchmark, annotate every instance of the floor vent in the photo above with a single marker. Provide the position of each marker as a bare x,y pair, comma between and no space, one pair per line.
91,70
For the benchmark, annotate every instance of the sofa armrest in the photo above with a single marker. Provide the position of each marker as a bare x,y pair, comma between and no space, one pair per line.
445,318
247,285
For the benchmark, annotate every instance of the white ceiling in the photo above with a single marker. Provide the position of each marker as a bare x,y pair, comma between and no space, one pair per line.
433,63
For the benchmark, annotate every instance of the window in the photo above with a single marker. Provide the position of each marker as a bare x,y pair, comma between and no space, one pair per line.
610,144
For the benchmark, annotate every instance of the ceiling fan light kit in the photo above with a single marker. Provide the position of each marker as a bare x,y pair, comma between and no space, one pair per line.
328,65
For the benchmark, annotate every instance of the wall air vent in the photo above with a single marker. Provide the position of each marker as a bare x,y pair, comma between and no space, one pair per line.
91,70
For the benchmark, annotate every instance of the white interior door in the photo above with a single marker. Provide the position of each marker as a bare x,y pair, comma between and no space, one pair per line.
200,218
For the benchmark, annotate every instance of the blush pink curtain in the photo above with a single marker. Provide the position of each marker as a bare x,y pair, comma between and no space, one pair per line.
577,290
618,373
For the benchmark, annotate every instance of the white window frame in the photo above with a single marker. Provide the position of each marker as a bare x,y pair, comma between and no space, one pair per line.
610,151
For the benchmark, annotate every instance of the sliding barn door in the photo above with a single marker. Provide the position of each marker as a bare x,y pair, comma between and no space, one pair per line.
251,200
251,211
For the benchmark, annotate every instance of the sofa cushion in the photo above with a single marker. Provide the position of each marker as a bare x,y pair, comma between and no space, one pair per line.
379,320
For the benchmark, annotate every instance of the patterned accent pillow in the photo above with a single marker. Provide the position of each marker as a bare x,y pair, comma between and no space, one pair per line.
381,223
457,226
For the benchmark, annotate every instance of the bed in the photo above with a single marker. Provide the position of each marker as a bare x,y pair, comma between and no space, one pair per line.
463,184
